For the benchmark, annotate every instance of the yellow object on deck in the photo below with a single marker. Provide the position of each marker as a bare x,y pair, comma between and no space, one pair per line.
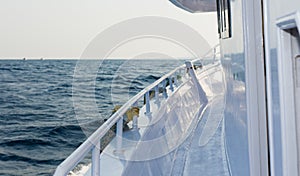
130,113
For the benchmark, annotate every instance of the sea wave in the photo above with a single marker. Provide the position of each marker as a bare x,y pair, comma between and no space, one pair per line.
39,125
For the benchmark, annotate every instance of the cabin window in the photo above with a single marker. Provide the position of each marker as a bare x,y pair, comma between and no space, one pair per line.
224,18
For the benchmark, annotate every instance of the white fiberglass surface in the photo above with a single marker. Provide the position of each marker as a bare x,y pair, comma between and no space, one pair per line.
173,124
207,153
180,137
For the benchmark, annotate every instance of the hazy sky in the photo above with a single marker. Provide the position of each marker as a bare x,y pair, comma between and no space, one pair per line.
64,28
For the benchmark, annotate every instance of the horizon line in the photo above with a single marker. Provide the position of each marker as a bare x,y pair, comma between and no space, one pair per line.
24,58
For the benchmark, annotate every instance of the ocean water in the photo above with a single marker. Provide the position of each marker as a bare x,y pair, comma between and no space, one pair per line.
39,125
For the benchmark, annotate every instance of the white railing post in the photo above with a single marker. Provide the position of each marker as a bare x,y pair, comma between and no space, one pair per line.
175,80
147,103
180,72
157,93
214,58
191,71
171,84
165,90
135,119
135,123
119,133
96,159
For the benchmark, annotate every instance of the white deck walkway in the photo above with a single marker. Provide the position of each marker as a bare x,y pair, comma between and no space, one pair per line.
206,155
202,152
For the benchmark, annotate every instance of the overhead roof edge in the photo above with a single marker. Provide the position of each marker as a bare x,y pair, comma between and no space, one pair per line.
196,6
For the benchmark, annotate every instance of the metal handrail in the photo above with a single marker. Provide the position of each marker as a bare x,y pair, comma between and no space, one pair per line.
93,142
69,163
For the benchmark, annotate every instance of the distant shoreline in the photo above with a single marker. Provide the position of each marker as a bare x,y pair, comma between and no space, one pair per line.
49,59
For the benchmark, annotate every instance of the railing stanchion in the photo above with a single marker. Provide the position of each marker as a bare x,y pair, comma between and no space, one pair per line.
157,93
119,133
165,90
96,159
175,80
214,58
171,84
147,102
135,123
135,119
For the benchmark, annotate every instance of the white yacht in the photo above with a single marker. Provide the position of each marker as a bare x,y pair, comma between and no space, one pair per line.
237,114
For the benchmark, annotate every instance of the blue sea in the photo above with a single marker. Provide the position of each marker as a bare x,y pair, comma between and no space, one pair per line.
39,127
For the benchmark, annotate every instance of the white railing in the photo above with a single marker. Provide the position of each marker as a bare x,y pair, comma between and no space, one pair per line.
92,144
213,53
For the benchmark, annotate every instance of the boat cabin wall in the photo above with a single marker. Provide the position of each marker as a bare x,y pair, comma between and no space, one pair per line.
261,67
243,63
233,62
283,127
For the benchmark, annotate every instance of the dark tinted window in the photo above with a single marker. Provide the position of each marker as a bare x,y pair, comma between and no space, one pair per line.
224,19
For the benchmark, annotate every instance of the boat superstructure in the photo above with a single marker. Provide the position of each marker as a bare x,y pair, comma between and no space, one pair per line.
237,115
